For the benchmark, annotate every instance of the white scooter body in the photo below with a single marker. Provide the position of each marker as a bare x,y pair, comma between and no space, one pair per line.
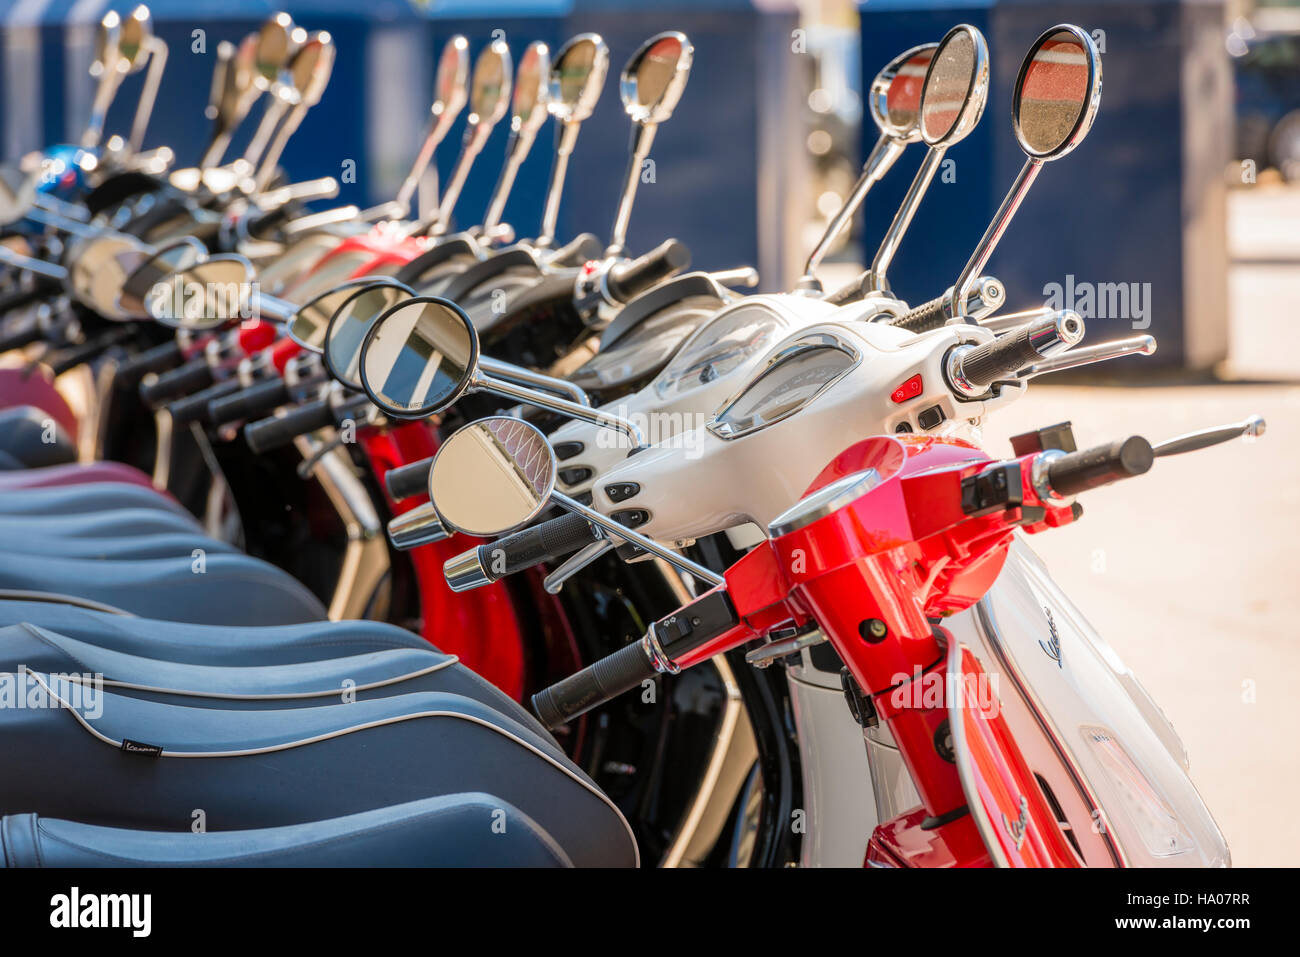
1113,762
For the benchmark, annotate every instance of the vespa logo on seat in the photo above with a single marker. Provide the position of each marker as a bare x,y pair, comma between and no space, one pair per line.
1053,645
1018,827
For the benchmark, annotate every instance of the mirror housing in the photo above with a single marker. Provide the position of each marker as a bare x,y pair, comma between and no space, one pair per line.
492,476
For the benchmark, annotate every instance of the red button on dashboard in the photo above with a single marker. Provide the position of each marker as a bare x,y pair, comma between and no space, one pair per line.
908,390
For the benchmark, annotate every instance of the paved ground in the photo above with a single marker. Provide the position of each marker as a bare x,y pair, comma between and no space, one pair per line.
1192,572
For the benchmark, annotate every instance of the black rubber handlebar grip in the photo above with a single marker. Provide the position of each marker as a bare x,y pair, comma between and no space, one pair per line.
260,226
594,685
158,359
253,402
577,251
40,288
1077,472
183,380
407,480
281,430
32,332
1000,358
194,408
631,279
543,542
925,317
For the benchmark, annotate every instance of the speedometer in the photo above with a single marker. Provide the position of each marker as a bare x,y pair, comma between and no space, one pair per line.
718,348
791,379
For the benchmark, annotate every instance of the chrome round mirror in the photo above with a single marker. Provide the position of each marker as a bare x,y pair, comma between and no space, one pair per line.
1057,93
171,258
206,295
653,80
528,104
276,42
451,83
351,320
309,321
311,66
956,87
137,29
895,96
489,90
577,77
492,476
419,357
98,268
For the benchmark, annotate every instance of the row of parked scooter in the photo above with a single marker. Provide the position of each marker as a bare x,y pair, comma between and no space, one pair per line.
340,536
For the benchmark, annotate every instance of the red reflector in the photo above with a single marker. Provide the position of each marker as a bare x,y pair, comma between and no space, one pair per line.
908,390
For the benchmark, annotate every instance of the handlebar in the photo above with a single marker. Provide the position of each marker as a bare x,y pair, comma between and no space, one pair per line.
182,380
629,280
407,480
972,369
598,682
543,542
158,360
193,408
986,296
280,430
1075,472
253,402
32,332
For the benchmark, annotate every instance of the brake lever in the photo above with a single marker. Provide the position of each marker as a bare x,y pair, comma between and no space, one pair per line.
1135,345
1252,427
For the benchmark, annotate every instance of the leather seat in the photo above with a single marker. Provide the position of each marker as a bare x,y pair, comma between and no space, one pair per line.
454,830
74,474
103,524
160,545
85,499
360,675
207,644
219,588
152,764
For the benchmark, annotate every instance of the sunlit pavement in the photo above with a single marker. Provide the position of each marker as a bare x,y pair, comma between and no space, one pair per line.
1192,571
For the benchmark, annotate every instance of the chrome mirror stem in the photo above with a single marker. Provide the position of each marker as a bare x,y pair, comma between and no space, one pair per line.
521,375
566,138
157,52
475,137
903,218
586,413
1001,220
437,133
636,538
30,264
643,137
516,152
883,156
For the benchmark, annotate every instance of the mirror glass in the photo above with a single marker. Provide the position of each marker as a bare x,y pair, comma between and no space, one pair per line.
452,79
275,45
349,322
418,357
310,320
136,31
955,87
654,78
528,105
489,92
896,93
492,476
577,77
170,259
1057,93
311,66
207,294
